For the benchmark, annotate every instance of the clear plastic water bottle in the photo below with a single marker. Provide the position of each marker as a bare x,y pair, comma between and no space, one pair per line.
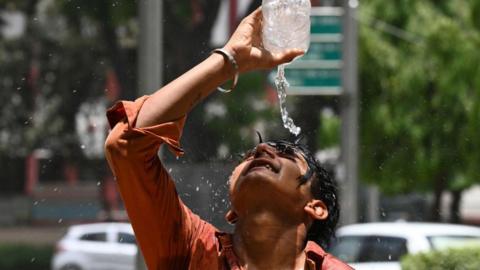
286,24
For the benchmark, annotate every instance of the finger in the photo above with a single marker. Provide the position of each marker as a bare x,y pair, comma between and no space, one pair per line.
257,13
255,18
288,56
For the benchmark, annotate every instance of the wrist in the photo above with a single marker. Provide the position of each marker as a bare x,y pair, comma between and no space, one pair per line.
239,57
229,61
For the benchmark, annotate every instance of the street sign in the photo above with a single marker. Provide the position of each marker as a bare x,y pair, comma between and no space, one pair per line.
319,71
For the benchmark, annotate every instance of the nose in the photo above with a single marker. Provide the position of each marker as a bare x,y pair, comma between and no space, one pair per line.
264,149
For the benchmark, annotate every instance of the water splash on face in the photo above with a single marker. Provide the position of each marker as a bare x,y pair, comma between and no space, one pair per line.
282,84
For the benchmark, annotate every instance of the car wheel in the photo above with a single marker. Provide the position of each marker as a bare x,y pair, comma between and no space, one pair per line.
71,267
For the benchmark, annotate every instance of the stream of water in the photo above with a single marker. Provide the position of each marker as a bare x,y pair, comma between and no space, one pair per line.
282,85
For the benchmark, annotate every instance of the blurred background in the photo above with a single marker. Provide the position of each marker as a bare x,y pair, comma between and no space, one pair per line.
403,145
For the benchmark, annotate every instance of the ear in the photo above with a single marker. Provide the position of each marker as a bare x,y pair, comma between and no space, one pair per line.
316,209
231,217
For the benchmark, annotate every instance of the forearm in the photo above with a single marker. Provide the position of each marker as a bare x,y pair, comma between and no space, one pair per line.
178,97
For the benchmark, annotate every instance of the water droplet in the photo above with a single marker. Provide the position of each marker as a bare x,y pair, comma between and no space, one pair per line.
55,189
32,259
82,146
197,188
74,91
170,170
60,220
35,202
98,183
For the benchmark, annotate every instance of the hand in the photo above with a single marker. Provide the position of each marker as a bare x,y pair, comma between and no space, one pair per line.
245,45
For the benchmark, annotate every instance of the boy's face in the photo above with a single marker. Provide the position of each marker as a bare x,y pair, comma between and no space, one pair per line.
269,177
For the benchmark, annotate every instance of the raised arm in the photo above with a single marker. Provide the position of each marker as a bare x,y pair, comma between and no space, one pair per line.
165,228
178,97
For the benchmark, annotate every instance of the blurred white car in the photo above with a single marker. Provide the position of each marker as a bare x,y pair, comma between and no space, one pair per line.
375,246
97,246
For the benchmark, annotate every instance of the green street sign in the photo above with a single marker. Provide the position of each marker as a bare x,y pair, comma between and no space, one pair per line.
312,81
323,51
326,24
313,77
319,71
326,20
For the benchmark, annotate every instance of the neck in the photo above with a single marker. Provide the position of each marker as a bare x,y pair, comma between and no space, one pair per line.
264,241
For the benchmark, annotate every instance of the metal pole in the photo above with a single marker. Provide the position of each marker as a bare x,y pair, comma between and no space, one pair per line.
150,54
349,152
373,202
150,60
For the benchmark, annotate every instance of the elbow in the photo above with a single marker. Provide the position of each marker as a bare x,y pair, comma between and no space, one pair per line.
113,143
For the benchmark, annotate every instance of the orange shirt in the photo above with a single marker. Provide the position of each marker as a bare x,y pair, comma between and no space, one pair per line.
168,233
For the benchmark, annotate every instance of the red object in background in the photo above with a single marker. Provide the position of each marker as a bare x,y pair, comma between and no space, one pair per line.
32,78
71,174
31,173
271,95
232,15
112,86
110,194
197,13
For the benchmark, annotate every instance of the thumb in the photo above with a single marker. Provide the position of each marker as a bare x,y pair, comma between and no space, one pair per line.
287,56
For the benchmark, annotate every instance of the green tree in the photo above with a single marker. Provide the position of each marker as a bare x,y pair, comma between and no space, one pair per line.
46,74
420,100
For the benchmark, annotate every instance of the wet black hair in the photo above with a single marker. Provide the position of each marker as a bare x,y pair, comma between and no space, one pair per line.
322,187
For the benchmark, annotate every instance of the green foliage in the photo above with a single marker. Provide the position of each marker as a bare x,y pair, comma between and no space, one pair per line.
246,112
45,111
25,257
119,11
50,70
420,98
450,259
329,130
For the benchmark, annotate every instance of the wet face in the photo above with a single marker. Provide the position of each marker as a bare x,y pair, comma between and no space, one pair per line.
269,178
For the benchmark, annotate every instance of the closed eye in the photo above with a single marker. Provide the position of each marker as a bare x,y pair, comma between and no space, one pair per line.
288,156
287,152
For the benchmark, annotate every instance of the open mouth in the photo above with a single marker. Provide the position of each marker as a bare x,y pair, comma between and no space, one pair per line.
262,163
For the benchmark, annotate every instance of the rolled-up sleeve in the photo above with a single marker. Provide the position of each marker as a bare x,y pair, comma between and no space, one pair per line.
162,223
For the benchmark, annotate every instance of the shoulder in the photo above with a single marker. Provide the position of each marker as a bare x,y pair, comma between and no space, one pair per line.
326,260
